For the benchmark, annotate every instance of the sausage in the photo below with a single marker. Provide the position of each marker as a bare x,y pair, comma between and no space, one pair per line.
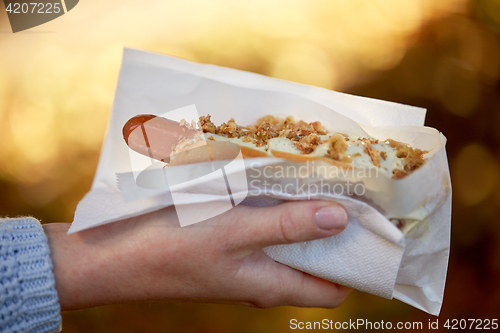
154,136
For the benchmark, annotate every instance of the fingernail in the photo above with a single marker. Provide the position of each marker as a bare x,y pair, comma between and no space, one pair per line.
333,217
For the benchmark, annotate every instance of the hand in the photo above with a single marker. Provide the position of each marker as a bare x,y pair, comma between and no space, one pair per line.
220,260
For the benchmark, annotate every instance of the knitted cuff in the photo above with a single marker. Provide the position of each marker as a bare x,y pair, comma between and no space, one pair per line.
28,297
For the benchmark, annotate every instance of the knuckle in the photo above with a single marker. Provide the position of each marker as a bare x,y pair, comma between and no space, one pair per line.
274,295
268,300
339,298
289,227
260,304
343,293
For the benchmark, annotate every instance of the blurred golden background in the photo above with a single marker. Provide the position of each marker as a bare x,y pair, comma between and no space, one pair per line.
57,85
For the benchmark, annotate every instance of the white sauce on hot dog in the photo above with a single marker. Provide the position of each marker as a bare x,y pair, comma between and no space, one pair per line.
355,150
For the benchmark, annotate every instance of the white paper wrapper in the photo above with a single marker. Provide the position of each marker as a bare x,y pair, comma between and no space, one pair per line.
371,255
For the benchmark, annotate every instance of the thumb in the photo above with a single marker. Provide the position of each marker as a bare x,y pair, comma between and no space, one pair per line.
289,222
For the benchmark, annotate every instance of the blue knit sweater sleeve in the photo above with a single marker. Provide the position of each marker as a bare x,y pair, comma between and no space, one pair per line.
28,298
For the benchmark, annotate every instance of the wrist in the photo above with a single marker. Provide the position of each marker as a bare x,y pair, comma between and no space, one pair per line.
88,268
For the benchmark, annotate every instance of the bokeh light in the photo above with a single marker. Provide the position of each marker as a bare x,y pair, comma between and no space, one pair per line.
476,174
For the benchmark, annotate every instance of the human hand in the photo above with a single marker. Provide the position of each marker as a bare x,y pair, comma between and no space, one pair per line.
220,260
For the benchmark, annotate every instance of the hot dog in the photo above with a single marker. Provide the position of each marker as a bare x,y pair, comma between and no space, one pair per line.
175,143
181,143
